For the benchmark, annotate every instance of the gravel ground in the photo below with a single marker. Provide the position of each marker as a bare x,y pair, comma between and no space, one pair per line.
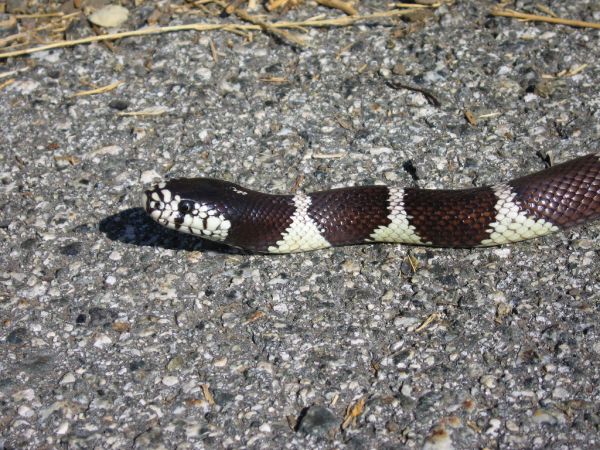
117,333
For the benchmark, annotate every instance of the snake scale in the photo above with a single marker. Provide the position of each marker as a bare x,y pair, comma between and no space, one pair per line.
544,202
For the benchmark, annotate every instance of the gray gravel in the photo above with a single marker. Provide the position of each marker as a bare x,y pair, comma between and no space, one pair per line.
117,333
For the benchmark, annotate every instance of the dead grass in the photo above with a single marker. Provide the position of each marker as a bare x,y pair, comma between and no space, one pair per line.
46,31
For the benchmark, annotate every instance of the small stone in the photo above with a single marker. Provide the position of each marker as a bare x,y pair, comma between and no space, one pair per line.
281,308
399,69
494,426
112,150
438,440
26,394
560,393
25,411
102,341
72,249
120,326
68,378
222,397
101,316
512,426
318,420
17,336
149,176
139,134
391,176
550,416
110,16
203,74
266,367
385,72
488,381
405,322
24,87
175,363
192,430
118,104
387,296
115,256
265,428
136,365
63,428
222,362
170,380
351,266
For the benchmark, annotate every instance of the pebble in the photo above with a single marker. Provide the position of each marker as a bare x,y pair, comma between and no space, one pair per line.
438,440
102,341
24,87
68,378
149,176
488,381
72,249
17,336
560,393
115,256
25,394
170,380
265,428
118,104
550,416
111,150
221,362
494,426
25,411
405,322
281,308
318,420
63,428
110,16
175,363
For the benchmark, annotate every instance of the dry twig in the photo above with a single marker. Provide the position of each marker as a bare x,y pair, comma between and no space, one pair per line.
353,412
310,23
432,317
152,111
535,18
100,90
339,4
6,83
269,28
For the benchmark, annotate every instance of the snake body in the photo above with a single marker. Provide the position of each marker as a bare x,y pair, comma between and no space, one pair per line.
544,202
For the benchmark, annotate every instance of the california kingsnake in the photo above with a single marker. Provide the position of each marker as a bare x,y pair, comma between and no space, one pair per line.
562,196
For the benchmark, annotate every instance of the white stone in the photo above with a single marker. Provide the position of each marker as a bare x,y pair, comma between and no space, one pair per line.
170,380
109,16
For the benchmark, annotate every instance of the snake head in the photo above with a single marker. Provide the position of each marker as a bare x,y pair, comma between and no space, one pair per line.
190,205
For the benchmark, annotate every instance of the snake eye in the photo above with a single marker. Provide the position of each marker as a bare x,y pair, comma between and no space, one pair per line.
186,206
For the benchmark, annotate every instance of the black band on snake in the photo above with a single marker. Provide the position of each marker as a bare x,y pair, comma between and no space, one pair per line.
562,196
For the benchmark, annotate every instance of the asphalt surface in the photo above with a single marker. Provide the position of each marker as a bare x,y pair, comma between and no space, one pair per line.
116,333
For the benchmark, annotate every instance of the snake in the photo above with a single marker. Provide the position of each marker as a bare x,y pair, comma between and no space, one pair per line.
534,205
